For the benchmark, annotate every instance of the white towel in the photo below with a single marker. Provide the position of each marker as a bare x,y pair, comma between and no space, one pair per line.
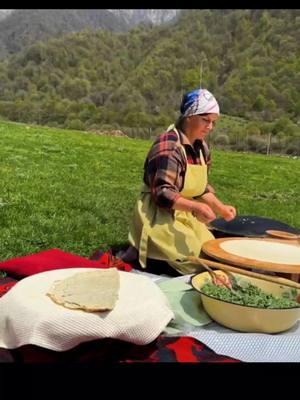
29,316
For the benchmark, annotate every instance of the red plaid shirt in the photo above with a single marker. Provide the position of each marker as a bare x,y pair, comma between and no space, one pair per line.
165,166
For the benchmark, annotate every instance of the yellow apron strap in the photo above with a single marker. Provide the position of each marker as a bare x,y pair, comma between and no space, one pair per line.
202,158
143,247
171,128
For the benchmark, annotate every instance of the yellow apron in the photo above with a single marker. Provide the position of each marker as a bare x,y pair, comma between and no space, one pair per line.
170,236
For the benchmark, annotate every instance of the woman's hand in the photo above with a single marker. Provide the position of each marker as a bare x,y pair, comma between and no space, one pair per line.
227,212
203,213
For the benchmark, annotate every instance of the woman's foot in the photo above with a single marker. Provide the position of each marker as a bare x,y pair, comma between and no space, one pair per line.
129,255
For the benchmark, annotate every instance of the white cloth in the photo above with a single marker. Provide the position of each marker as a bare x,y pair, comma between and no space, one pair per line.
29,316
251,347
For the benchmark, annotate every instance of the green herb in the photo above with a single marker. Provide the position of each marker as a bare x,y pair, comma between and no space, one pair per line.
249,295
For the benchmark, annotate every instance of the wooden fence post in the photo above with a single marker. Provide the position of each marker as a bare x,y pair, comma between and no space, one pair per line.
269,143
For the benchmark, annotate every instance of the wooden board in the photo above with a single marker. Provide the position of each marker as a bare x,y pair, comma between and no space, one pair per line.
213,249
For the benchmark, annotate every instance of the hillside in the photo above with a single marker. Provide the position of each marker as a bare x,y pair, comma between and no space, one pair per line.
89,79
76,191
24,27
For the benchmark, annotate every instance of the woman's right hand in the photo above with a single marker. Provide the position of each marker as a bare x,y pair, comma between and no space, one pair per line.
228,212
203,213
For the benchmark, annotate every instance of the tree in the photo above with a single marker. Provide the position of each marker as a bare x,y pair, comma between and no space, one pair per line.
283,124
259,103
74,89
35,53
137,119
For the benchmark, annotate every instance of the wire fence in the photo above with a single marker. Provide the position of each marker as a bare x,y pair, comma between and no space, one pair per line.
264,144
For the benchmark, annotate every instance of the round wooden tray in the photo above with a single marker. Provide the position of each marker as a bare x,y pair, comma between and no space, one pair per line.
282,234
213,249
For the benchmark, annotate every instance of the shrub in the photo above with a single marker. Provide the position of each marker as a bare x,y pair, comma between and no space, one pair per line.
92,127
75,124
292,149
253,129
221,139
257,143
107,127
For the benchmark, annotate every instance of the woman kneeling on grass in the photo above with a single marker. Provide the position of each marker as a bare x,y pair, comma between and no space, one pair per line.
176,200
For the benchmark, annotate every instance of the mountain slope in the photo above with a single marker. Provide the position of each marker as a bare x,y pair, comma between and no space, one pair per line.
20,28
250,61
151,16
24,27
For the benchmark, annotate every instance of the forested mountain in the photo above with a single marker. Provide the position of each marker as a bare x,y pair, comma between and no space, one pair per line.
250,59
20,28
24,27
147,16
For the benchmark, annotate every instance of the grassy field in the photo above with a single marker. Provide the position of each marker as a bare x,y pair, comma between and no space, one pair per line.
76,191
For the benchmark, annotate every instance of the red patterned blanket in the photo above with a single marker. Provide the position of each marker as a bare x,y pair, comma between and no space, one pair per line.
164,349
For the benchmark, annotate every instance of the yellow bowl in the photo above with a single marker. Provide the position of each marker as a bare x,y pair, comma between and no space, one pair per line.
247,318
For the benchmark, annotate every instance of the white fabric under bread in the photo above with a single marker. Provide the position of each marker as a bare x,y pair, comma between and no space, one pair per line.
29,316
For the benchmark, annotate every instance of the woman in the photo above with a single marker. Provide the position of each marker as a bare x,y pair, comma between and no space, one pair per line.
176,201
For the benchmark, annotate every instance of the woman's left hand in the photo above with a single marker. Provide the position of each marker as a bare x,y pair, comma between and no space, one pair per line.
227,212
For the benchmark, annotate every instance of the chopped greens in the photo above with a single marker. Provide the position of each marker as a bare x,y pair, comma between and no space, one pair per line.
249,295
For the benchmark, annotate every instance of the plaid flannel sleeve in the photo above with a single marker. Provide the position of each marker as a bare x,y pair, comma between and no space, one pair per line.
164,170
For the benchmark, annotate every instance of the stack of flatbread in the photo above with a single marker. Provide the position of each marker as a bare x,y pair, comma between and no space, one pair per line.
90,291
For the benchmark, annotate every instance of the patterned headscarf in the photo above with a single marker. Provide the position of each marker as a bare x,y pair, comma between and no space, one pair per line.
199,101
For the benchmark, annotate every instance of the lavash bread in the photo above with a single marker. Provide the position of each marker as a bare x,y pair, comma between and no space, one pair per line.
262,250
91,291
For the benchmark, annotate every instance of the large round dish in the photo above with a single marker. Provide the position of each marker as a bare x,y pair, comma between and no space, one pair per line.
253,253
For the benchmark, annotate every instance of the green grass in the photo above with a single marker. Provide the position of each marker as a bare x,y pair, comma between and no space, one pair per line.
76,191
267,186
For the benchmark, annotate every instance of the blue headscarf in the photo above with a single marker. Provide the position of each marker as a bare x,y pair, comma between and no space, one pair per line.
198,101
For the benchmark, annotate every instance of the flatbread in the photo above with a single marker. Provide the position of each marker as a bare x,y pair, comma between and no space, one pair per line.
89,291
279,253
